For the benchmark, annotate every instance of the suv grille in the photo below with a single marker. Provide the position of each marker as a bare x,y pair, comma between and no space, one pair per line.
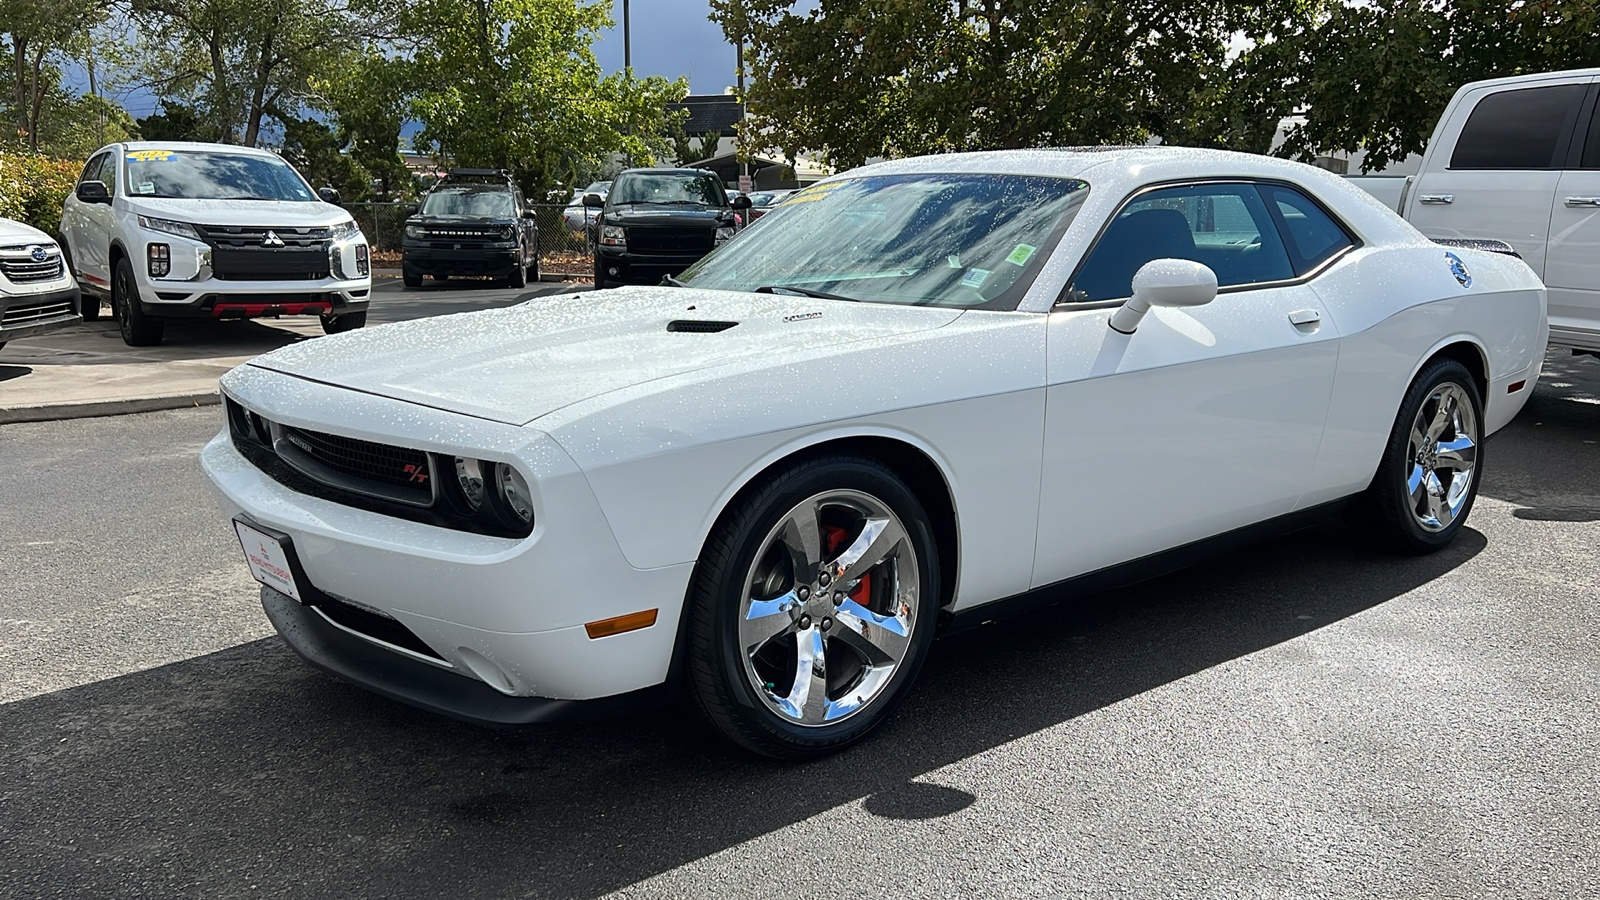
487,234
24,313
671,240
20,267
255,236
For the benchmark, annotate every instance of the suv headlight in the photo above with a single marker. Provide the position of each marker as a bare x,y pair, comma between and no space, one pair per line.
613,235
724,234
416,231
508,233
181,229
342,230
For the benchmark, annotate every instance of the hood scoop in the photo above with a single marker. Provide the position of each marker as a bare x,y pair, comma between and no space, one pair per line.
699,326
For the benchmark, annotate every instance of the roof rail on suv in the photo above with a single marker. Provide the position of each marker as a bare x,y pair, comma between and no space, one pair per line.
477,176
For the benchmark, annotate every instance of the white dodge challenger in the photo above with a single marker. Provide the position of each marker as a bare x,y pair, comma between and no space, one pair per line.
920,394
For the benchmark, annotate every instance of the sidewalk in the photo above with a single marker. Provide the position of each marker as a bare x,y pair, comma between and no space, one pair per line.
45,393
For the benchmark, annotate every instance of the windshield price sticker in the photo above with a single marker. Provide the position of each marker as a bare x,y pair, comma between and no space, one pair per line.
1021,255
975,278
150,155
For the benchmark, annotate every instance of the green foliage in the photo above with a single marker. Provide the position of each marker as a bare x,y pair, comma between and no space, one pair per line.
514,84
856,79
317,152
33,187
177,121
1377,76
368,101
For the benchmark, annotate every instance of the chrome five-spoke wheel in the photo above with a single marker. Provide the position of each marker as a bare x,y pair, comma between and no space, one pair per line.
1443,450
830,608
813,606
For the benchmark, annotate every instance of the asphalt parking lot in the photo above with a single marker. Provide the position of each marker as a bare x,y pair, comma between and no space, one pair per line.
1301,719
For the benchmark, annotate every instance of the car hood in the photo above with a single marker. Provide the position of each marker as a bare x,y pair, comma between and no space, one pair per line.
668,214
518,363
17,233
239,212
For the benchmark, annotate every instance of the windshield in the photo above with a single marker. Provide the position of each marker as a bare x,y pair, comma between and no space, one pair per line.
969,241
207,175
482,204
668,187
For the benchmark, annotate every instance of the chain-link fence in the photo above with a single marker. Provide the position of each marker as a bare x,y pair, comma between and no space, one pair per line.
562,251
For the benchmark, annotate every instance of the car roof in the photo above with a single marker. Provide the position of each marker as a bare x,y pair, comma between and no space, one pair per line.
667,171
196,146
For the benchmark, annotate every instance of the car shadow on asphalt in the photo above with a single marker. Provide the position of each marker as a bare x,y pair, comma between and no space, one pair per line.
248,764
8,372
100,343
1556,443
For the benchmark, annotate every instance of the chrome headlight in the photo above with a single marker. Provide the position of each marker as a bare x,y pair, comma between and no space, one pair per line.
181,229
416,231
342,230
724,234
613,235
513,490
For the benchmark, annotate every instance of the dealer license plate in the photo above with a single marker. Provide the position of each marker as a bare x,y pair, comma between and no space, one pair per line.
268,558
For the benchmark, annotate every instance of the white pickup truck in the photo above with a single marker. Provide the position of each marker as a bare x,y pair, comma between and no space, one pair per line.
1518,160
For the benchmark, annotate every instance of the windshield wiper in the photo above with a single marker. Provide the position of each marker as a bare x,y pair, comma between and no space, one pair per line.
672,282
802,292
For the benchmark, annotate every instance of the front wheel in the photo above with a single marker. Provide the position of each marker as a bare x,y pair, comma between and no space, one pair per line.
410,279
344,322
599,274
813,607
519,271
1428,476
138,329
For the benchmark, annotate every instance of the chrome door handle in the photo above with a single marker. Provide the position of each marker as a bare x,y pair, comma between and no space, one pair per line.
1303,317
1583,201
1439,199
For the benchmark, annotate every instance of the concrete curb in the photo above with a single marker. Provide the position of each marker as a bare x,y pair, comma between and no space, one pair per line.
53,412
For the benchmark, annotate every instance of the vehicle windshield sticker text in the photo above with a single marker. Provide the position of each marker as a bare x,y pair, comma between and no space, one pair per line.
975,278
1458,269
150,155
815,192
146,187
802,316
1021,255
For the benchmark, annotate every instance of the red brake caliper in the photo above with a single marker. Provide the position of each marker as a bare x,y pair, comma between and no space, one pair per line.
834,536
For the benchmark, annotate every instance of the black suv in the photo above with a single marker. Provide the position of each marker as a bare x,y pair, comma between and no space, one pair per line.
474,222
658,222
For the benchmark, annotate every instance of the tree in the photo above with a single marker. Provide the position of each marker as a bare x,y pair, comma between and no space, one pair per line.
367,98
38,33
514,84
318,152
237,60
1376,77
856,79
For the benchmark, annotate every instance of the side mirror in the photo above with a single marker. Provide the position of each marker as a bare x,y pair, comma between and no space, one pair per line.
94,192
740,202
412,209
328,195
529,214
1165,282
593,200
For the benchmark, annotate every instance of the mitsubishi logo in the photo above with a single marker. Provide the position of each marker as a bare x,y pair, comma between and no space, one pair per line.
272,240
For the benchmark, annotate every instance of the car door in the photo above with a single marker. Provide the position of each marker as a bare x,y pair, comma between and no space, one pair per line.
1572,262
96,224
1505,159
1204,419
75,222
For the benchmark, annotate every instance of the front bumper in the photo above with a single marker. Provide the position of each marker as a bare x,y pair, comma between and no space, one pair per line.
644,268
191,289
491,260
23,315
504,614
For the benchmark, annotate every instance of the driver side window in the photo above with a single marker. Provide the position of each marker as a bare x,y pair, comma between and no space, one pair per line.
1224,226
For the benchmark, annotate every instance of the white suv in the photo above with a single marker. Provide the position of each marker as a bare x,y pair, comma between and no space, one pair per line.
186,230
37,293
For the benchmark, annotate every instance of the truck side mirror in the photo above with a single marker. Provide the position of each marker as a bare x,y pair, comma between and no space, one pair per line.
593,200
1165,282
93,192
328,195
740,202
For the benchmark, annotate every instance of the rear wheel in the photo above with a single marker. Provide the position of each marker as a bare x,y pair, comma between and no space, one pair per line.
812,608
411,279
138,329
344,322
1428,477
519,271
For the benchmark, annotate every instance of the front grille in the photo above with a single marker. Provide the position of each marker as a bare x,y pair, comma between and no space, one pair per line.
25,313
671,240
24,269
397,473
464,234
270,265
257,236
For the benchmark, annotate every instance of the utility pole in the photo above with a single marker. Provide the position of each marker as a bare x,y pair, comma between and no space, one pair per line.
627,43
738,134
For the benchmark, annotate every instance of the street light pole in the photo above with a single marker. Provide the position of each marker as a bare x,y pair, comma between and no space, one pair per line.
627,43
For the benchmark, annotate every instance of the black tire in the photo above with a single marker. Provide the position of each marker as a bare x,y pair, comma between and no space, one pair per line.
533,270
344,322
599,274
1389,514
519,272
723,678
138,329
411,279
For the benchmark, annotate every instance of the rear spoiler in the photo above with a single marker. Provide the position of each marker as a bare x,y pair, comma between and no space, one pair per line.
1485,244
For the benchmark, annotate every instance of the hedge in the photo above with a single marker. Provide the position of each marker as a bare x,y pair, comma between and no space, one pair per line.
32,188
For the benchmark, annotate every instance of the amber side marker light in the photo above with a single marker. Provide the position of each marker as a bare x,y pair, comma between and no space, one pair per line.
620,624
